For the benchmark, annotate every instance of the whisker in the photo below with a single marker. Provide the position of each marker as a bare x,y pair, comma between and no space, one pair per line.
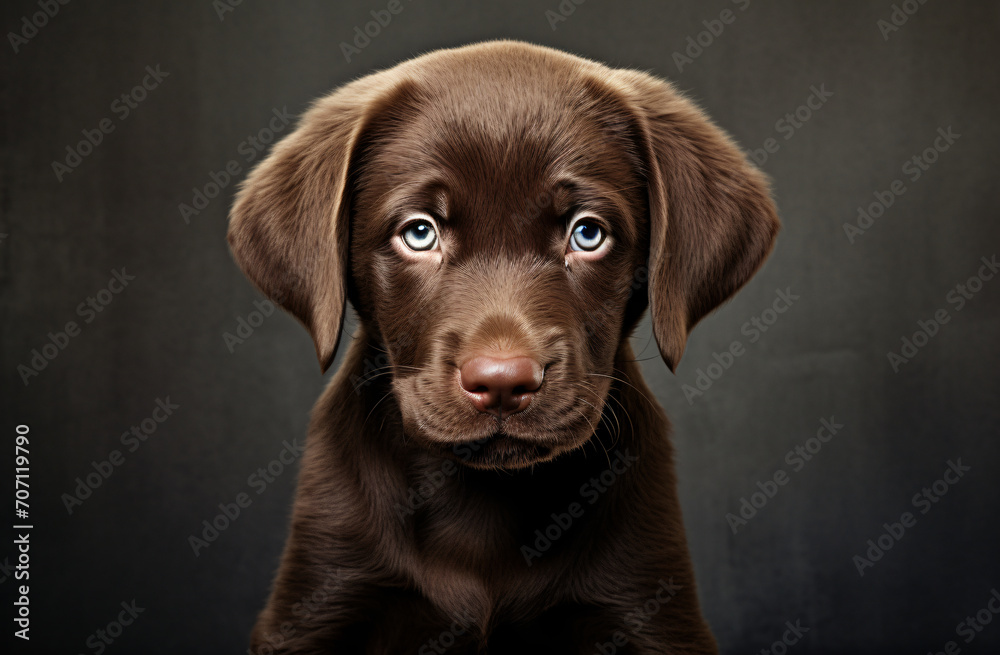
616,434
625,411
626,382
644,359
388,370
577,410
366,380
373,409
618,425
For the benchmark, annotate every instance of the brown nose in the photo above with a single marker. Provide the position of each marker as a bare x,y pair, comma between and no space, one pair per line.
501,386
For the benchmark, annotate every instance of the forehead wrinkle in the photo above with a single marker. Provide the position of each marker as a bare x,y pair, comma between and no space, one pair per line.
461,158
418,194
440,202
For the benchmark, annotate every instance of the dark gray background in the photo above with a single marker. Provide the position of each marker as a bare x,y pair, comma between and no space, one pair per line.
826,356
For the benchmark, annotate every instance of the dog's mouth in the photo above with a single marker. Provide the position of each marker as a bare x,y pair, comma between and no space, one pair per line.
437,413
519,441
512,443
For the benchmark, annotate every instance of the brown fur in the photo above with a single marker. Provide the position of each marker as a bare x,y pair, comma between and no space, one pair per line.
395,547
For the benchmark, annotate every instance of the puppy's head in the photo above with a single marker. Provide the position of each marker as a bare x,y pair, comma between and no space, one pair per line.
500,216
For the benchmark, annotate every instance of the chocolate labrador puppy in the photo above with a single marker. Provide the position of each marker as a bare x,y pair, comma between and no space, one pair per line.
488,472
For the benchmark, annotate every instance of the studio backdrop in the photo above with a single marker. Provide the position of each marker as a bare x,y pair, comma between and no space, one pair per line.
835,424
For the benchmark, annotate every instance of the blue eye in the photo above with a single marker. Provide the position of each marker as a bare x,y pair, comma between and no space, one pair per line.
420,236
586,236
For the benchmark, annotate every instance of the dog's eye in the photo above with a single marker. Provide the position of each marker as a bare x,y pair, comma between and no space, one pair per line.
586,236
420,236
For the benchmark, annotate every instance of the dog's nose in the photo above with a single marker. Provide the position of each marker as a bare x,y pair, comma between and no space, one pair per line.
501,385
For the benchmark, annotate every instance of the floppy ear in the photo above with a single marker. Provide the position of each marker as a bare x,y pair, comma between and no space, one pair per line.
712,221
288,229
